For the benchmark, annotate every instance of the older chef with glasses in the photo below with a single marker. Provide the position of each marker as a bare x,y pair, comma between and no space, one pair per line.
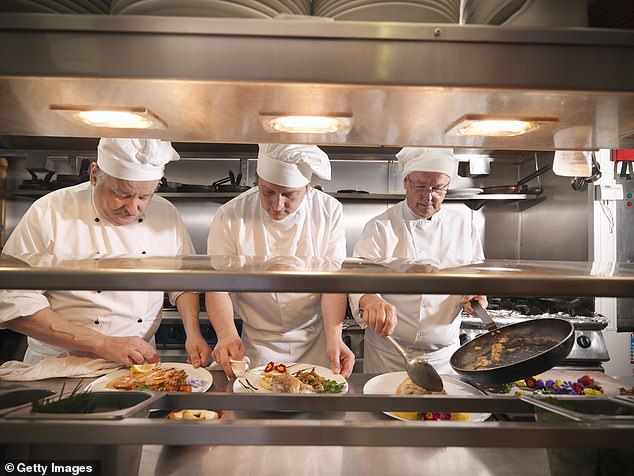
115,214
284,216
419,231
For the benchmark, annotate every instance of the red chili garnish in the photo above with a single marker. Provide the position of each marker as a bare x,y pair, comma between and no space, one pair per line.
281,368
269,367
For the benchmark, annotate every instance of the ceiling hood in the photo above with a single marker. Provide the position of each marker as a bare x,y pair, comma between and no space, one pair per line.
214,80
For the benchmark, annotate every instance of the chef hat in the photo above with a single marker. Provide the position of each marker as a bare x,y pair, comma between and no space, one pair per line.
135,159
420,159
292,165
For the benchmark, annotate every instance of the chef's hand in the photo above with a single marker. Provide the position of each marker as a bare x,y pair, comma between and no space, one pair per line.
466,303
198,351
227,349
129,351
378,314
341,357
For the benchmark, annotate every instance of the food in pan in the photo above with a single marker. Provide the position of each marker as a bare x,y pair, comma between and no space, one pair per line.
407,387
504,350
159,379
193,415
277,378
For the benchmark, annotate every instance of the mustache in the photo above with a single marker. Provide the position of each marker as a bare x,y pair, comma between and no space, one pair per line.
122,212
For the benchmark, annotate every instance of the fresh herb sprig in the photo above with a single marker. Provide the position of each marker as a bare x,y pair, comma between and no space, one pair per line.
331,386
77,402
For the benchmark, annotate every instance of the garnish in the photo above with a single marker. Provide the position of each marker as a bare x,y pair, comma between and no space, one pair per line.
269,367
76,402
583,386
331,386
281,368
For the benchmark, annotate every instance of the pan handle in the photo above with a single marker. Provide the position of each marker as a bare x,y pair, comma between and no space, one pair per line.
484,316
537,173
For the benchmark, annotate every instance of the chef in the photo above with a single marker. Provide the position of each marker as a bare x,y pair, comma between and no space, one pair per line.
418,231
282,216
115,214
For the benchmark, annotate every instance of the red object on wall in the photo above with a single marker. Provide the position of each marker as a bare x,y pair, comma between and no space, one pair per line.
621,155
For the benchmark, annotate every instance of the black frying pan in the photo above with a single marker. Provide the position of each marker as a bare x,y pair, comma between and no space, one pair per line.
538,344
520,186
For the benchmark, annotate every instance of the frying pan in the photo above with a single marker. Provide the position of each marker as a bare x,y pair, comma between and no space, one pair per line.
538,344
520,186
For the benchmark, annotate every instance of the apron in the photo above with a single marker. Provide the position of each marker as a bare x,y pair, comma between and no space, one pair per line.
427,324
279,327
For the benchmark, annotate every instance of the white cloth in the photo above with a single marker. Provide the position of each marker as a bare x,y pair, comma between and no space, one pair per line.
427,322
63,224
135,159
292,165
280,327
420,159
70,366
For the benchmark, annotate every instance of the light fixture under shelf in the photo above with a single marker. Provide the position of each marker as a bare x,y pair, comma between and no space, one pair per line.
482,125
305,124
112,117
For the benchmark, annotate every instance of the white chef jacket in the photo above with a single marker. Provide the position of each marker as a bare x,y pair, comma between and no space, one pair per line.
280,327
65,224
430,322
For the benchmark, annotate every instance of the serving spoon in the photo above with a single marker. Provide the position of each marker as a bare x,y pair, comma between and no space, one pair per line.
419,370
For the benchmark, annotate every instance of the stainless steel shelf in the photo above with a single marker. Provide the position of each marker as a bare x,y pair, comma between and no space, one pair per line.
293,274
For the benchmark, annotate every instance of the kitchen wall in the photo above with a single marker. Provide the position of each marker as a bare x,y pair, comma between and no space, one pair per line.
553,227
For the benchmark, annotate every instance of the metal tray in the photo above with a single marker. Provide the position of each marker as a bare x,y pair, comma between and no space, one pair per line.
106,406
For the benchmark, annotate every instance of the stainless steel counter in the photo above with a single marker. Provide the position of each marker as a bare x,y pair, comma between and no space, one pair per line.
337,440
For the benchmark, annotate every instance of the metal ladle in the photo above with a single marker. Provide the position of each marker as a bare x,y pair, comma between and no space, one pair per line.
419,370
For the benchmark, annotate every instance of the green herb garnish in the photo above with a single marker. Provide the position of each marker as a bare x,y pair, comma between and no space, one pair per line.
331,386
77,402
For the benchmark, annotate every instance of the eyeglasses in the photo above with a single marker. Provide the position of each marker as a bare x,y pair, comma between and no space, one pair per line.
421,189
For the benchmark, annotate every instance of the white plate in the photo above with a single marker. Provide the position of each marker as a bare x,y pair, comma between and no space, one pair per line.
253,376
386,384
199,378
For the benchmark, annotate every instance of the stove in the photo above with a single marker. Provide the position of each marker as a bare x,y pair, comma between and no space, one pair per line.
589,350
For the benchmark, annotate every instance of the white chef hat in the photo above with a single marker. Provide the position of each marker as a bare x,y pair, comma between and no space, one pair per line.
292,165
421,159
135,159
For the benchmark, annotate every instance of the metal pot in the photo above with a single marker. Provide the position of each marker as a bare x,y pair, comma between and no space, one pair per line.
542,344
520,186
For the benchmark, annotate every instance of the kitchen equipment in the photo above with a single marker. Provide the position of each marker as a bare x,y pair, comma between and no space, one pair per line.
419,370
538,345
520,186
40,179
589,350
229,184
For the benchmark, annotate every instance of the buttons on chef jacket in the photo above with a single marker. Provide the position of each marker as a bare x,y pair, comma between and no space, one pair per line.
139,320
97,321
97,220
140,220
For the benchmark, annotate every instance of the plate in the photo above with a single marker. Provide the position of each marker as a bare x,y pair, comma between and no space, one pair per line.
253,376
386,384
199,378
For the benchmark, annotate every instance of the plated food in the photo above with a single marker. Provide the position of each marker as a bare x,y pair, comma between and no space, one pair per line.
193,415
290,378
398,383
166,377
